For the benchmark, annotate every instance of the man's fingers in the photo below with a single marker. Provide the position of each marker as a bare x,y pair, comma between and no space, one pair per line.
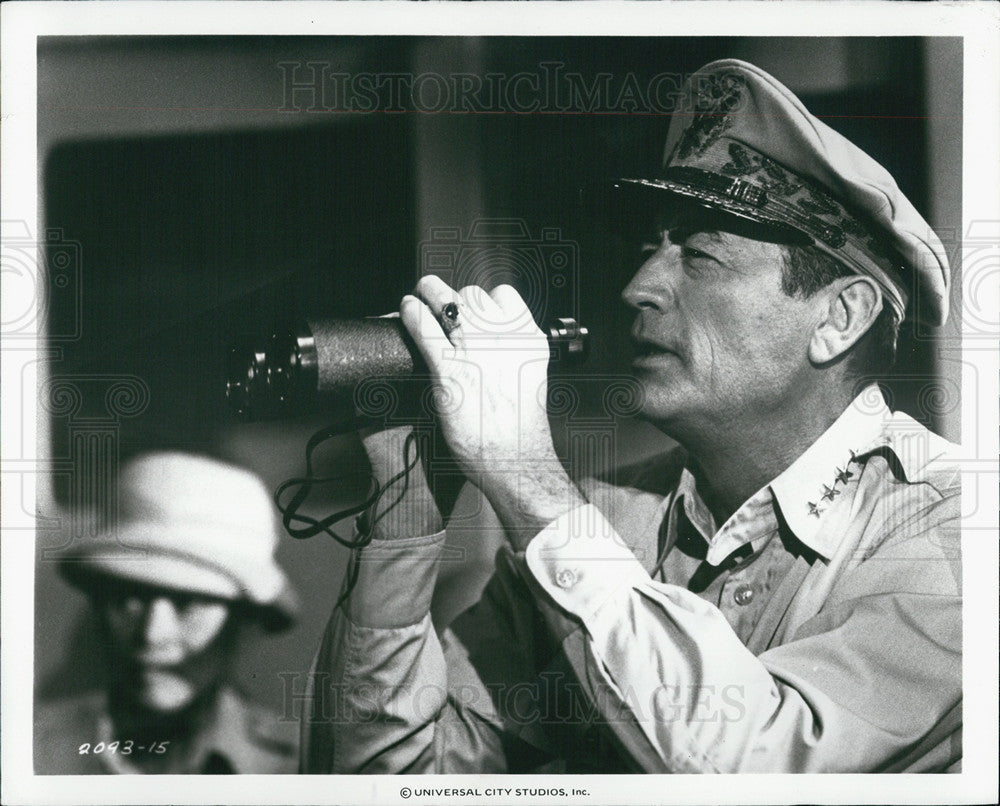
477,312
434,292
515,309
423,325
444,305
499,311
479,309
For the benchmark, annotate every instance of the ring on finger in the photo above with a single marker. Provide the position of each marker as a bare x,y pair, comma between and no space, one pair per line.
449,318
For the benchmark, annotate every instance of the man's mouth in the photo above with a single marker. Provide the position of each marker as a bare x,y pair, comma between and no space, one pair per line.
646,351
645,348
157,662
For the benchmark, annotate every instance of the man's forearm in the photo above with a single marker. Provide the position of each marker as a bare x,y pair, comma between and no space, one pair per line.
378,649
530,496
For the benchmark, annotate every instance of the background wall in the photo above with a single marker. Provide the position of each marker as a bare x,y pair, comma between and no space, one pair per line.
195,201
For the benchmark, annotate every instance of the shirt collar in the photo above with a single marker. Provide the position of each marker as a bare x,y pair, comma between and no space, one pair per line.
695,509
753,523
229,737
806,488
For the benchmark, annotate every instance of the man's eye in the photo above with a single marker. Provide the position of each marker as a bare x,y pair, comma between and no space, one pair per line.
183,601
129,605
694,254
652,242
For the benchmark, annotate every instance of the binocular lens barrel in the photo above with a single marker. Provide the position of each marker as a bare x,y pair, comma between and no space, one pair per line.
329,357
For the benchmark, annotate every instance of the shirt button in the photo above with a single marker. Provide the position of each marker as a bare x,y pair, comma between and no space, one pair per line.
565,578
743,595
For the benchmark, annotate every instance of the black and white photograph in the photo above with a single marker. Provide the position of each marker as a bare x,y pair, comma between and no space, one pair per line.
500,409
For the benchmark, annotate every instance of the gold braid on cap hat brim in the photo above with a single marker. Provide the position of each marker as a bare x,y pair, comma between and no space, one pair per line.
751,185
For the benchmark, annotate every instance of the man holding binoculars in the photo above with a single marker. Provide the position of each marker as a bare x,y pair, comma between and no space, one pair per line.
782,594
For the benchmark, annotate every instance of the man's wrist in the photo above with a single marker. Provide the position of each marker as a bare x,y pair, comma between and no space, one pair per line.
529,497
403,513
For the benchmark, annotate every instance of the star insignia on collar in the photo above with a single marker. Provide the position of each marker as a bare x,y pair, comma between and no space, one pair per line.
854,458
844,475
815,509
830,492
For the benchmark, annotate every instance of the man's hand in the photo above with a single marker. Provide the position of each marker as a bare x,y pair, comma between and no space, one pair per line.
490,375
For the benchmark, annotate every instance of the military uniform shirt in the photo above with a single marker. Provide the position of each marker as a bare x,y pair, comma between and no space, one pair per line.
818,630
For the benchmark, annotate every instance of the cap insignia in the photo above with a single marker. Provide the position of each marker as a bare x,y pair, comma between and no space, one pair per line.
716,96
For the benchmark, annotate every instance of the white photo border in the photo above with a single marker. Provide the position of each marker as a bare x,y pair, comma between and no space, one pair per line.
976,23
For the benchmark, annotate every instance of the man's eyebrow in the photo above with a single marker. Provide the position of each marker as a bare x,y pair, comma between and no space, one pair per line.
713,235
680,228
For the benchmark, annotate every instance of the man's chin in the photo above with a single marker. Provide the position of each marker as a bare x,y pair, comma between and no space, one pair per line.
663,410
163,691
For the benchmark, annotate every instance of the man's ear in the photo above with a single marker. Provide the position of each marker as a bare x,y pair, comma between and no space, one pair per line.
853,304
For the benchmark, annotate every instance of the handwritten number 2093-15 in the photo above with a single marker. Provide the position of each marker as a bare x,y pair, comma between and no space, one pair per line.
126,748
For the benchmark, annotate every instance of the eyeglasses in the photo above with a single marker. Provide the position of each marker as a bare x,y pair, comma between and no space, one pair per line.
129,605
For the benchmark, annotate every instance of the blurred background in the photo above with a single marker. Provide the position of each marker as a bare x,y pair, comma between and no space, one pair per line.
200,189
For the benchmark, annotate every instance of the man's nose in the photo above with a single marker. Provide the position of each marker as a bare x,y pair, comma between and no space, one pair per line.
652,286
162,622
